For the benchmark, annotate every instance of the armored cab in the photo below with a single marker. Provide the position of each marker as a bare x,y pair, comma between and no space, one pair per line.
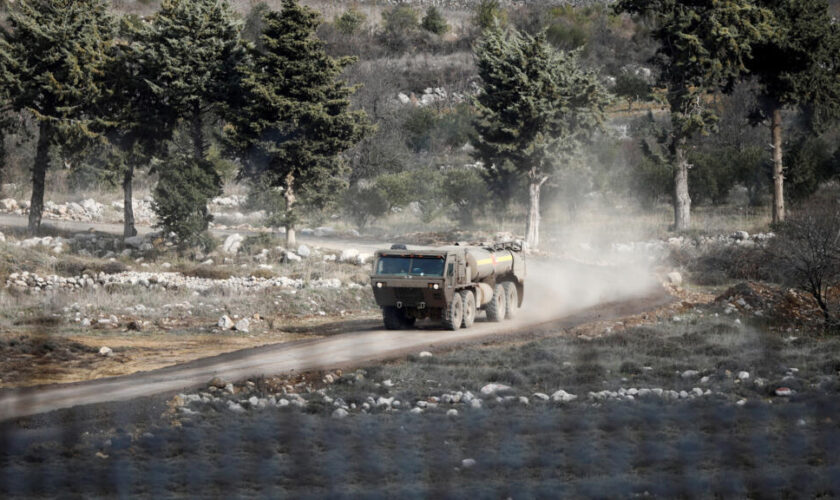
451,284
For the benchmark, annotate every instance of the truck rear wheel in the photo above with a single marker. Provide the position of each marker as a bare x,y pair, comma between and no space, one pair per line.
496,307
511,299
396,319
468,301
453,314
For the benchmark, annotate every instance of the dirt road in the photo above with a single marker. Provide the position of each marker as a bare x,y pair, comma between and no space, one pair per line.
561,295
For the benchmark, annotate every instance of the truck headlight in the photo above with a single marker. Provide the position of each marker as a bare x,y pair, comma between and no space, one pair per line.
434,286
378,284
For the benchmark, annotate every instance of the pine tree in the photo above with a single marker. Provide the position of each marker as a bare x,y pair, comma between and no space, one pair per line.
536,107
52,63
704,47
141,119
434,22
797,66
293,119
192,49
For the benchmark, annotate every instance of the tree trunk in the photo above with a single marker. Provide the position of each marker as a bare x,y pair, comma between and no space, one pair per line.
778,172
289,195
39,174
682,201
128,209
532,229
197,132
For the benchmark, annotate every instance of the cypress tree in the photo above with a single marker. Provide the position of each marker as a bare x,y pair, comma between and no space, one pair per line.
52,64
797,66
704,47
292,119
536,107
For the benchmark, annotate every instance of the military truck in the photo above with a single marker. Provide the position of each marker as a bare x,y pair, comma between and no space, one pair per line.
450,284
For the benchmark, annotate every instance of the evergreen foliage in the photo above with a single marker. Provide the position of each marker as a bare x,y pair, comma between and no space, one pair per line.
536,107
293,120
796,67
193,49
52,65
703,47
180,199
350,22
434,22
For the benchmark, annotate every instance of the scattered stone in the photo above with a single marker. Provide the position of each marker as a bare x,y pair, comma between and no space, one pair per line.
784,392
106,351
304,251
340,413
425,354
225,323
452,413
675,278
743,375
468,463
217,383
232,244
563,396
542,395
243,325
690,374
493,388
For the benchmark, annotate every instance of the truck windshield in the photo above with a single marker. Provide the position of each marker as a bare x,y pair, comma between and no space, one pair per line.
414,265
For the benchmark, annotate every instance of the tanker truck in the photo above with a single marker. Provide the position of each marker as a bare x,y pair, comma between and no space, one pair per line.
450,284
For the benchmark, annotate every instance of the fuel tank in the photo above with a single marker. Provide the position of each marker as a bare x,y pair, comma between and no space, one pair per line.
484,263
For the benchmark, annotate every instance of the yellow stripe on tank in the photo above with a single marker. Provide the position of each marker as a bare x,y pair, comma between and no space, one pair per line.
484,262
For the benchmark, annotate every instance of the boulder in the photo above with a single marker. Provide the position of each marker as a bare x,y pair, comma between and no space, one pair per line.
9,204
493,388
232,244
293,257
134,241
304,251
243,325
340,413
563,396
349,256
674,278
106,351
225,323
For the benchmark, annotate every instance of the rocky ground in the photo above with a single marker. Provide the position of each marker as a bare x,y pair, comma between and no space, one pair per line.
684,401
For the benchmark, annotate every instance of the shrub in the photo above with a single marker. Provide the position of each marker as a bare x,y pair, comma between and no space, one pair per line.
806,250
488,12
434,22
183,190
398,27
350,22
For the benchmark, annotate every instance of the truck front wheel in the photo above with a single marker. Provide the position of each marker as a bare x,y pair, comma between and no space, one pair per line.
496,307
453,314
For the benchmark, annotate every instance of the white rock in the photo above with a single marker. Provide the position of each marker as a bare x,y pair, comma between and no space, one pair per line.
467,463
232,244
293,257
86,322
416,410
235,407
243,325
690,374
784,391
225,323
542,395
253,400
425,354
674,278
106,351
339,413
563,396
388,383
743,375
524,400
304,251
2,237
493,388
475,403
349,256
452,413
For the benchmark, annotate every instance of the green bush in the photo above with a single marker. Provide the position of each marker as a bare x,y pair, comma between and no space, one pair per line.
434,22
808,163
488,12
350,22
399,26
364,204
184,188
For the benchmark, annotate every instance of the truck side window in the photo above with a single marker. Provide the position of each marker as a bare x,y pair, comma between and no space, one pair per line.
450,271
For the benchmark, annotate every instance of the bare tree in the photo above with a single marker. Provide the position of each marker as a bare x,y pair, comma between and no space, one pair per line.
806,251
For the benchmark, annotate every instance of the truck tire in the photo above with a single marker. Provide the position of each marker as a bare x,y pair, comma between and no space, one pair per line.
468,301
453,315
511,299
496,307
395,319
